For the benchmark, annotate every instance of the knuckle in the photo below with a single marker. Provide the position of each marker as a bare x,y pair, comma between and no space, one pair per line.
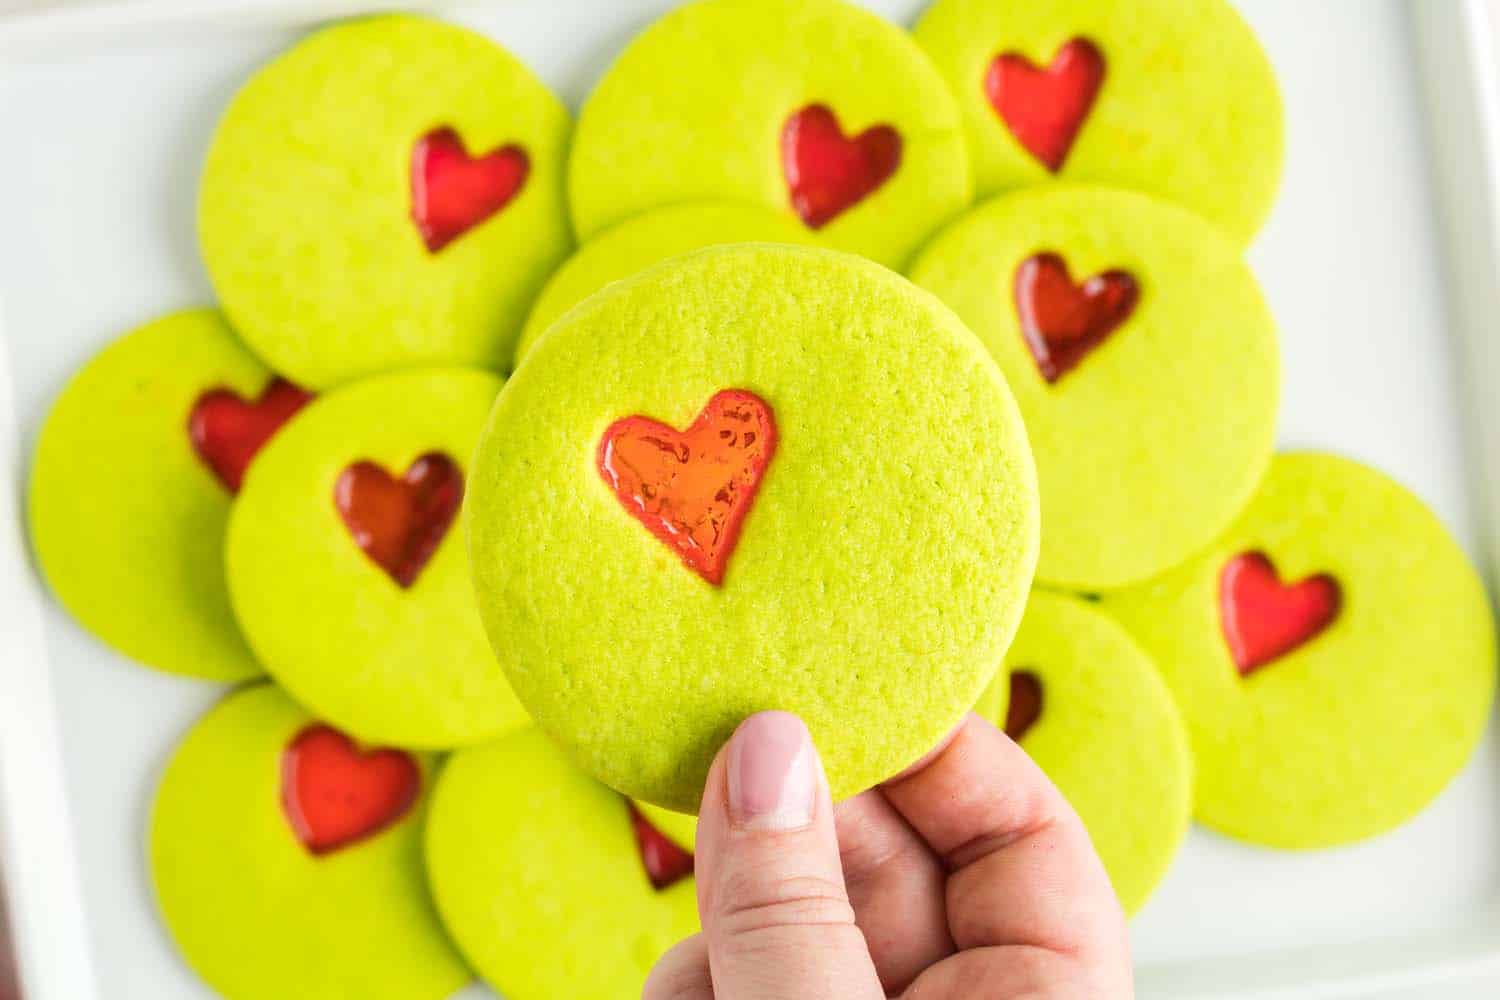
751,901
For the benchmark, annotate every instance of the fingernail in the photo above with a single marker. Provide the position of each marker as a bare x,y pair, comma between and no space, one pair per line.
773,773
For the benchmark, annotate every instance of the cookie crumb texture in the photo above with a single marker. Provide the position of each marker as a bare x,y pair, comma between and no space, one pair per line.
879,573
1355,728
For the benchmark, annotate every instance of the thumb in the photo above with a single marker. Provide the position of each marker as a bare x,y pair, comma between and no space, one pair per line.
776,916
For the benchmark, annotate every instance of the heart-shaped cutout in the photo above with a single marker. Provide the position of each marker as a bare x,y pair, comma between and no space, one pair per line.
827,172
399,523
452,192
1063,322
693,488
1045,108
1264,619
1025,705
335,794
227,431
666,864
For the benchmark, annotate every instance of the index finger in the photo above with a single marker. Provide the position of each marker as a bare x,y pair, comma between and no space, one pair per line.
1022,870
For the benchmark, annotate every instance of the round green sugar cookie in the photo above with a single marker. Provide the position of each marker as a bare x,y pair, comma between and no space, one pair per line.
1144,360
347,568
127,517
538,876
257,912
1139,94
752,478
386,194
646,239
1092,711
1333,654
814,108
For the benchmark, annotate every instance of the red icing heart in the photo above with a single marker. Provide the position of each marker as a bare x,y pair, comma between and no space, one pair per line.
1063,322
826,172
1025,704
227,432
399,523
335,794
693,488
452,192
666,864
1045,108
1264,619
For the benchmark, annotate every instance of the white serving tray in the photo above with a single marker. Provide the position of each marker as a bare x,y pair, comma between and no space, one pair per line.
1380,262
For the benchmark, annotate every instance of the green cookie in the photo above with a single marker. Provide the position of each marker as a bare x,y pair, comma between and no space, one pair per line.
537,874
884,548
646,239
1142,94
388,193
1108,735
126,518
257,914
382,638
1143,358
815,108
1333,654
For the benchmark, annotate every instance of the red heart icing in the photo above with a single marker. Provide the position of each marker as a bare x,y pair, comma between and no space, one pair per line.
227,432
335,794
666,864
1025,704
1263,618
693,488
452,192
1045,108
826,172
399,523
1063,322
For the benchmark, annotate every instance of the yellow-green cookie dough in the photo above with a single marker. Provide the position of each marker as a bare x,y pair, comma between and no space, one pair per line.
696,108
257,915
407,666
1154,441
536,871
878,576
1109,736
1358,728
646,239
126,520
306,205
1188,108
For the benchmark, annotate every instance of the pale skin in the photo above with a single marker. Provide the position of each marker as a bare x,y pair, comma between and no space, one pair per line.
967,876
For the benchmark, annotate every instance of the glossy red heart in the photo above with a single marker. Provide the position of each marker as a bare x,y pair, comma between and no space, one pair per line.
1025,704
1062,322
452,192
826,172
227,431
399,523
666,864
334,793
1264,619
1045,108
693,488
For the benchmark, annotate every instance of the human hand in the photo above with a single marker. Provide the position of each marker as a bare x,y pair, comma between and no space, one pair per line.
967,876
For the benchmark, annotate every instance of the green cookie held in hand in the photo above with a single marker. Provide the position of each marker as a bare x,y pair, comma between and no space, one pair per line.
387,194
1089,707
1143,358
347,569
752,478
1333,654
540,879
814,108
131,485
1175,101
288,862
650,238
